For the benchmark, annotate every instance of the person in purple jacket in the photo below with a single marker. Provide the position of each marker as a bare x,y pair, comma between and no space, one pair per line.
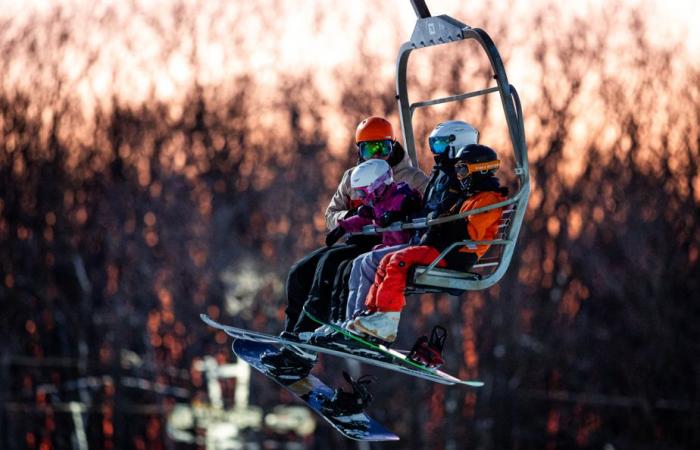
383,202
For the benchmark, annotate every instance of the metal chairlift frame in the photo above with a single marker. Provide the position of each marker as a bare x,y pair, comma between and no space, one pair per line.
430,31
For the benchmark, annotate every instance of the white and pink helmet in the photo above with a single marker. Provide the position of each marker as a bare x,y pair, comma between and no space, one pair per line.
370,178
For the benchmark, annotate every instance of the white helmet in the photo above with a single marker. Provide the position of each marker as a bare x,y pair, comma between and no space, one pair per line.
370,177
448,137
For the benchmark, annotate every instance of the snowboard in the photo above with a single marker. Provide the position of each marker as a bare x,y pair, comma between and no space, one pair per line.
367,353
313,392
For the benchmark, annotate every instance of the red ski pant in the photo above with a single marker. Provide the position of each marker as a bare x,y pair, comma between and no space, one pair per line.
387,292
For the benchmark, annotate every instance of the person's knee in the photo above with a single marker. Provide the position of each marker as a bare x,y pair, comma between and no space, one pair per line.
398,264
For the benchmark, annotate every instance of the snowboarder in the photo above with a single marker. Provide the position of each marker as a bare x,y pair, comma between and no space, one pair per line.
310,279
475,168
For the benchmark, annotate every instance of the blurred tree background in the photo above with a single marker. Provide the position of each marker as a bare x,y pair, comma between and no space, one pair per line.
159,161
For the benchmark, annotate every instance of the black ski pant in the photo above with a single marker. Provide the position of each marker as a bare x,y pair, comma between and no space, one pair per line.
339,297
310,282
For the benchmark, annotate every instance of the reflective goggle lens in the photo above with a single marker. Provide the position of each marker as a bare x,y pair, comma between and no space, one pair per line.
370,149
361,192
439,144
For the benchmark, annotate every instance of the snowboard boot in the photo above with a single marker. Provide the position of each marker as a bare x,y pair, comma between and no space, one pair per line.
381,325
428,352
289,364
308,336
349,403
335,340
320,334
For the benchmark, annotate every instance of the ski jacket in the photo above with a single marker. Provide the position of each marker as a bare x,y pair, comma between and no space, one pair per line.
399,197
479,227
345,200
442,190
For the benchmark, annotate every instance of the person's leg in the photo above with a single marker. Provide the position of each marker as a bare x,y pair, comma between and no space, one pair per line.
298,285
337,307
380,274
362,276
291,362
318,300
353,285
344,293
387,294
390,294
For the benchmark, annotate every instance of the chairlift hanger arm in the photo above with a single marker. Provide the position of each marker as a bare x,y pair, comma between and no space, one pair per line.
420,8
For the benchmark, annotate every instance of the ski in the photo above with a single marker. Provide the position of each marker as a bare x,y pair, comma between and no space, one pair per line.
392,360
317,396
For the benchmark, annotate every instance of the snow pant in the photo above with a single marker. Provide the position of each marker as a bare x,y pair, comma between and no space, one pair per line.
387,291
339,297
364,269
310,281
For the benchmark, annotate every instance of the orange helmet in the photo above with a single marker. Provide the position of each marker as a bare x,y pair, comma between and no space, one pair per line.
374,129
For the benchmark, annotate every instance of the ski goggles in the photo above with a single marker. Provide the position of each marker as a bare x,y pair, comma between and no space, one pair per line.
376,188
371,149
438,144
463,169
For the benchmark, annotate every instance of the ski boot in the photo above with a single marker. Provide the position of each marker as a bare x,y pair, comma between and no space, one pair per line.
428,352
346,404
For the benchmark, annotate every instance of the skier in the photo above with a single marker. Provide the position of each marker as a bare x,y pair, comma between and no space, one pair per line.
475,169
442,191
310,279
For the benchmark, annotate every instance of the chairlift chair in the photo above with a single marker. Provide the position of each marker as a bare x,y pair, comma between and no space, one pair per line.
430,31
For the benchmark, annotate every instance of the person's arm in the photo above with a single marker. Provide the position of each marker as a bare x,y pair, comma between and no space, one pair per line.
410,205
340,205
481,226
354,223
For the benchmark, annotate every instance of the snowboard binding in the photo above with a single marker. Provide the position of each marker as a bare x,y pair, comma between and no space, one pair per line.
428,352
349,403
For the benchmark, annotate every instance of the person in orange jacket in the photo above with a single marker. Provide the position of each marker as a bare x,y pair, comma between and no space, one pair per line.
475,167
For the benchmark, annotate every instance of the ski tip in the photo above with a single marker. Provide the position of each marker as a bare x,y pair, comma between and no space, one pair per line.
204,317
473,383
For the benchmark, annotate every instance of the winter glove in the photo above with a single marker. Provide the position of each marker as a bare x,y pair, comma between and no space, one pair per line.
411,205
334,235
366,212
390,217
